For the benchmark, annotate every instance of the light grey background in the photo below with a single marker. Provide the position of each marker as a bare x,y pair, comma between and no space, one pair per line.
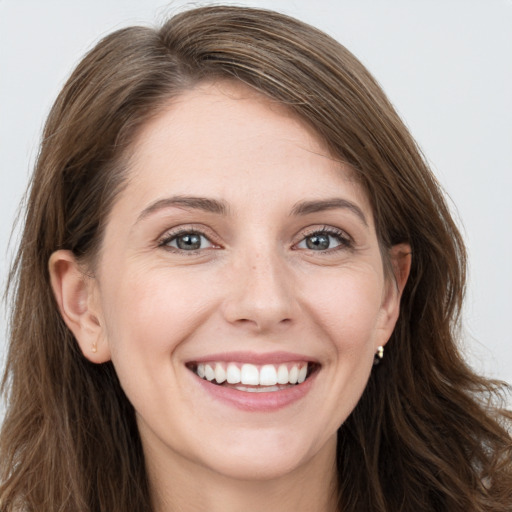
445,64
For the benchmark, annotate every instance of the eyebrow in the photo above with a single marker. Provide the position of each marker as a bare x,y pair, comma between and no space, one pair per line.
307,207
186,202
220,207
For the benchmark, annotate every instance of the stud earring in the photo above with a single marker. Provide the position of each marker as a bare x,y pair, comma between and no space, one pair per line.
94,348
379,355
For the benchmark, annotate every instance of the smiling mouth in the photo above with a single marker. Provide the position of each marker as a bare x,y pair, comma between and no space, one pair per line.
254,378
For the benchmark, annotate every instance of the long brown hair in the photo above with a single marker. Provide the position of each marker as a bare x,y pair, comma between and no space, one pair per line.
427,433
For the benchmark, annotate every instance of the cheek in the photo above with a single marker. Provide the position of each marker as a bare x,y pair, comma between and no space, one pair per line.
347,307
152,311
149,313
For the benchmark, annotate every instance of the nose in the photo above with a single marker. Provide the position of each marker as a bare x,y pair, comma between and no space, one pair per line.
260,294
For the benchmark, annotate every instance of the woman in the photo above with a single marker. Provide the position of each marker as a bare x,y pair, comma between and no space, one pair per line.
227,225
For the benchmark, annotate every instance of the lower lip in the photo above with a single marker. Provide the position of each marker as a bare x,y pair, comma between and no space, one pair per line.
258,402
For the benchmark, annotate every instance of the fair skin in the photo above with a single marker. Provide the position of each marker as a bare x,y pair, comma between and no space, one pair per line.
236,243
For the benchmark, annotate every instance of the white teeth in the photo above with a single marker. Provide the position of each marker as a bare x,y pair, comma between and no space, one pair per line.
302,374
250,375
265,389
293,375
208,372
282,374
233,374
268,376
220,373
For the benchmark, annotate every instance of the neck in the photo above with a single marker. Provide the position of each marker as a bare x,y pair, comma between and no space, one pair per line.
182,485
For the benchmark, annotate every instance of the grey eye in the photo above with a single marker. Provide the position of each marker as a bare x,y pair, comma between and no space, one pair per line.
320,242
189,242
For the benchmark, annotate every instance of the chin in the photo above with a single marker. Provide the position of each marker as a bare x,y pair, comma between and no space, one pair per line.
262,456
261,467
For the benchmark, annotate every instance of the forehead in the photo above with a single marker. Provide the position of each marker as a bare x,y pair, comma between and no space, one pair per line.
227,133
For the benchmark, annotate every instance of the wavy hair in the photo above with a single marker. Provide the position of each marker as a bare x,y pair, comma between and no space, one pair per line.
428,434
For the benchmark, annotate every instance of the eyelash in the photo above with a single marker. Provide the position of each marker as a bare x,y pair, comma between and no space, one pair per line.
174,235
345,241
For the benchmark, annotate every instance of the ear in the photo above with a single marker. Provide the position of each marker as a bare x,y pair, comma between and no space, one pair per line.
77,298
400,257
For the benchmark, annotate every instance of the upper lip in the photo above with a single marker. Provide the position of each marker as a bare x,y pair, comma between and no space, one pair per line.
254,358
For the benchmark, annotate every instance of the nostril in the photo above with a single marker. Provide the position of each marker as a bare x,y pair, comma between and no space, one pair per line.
262,324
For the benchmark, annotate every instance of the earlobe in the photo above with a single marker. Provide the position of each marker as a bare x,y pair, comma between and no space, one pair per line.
75,294
400,257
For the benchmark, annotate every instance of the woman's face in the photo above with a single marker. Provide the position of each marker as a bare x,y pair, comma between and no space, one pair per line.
240,250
